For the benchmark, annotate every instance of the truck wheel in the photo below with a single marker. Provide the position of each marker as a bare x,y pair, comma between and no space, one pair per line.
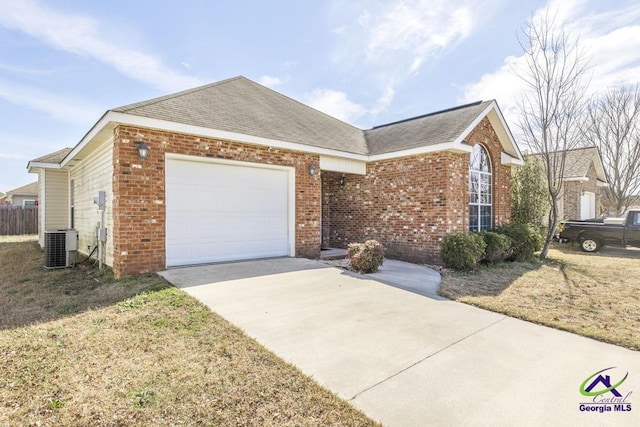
590,245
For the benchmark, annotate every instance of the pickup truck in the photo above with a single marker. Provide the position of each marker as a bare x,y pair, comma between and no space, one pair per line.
591,235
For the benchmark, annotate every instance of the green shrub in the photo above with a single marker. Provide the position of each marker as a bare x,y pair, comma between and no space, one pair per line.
525,240
366,257
462,251
498,246
529,195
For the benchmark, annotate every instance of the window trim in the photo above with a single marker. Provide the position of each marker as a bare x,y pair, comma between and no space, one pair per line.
479,204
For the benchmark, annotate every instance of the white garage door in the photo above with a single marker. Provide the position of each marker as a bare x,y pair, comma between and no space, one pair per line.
222,212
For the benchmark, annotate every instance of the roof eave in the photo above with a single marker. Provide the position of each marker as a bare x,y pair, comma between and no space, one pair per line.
88,137
452,147
576,178
32,166
599,165
508,160
112,118
504,133
147,122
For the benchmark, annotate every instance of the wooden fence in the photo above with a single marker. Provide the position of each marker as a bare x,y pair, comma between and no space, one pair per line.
17,220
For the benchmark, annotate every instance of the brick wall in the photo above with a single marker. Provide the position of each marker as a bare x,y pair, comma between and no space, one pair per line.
139,193
572,192
410,203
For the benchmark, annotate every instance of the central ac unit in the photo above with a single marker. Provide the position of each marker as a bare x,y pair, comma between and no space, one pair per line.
60,248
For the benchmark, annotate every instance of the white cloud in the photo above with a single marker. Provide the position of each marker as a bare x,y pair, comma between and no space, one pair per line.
411,31
270,81
502,84
393,40
611,38
384,101
82,35
336,104
60,107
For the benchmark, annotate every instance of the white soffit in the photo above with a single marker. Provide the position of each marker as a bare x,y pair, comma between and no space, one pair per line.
336,164
508,160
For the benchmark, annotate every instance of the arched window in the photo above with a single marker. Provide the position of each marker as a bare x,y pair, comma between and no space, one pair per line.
480,194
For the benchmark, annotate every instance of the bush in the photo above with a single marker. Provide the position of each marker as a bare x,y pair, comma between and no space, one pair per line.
366,257
529,195
525,240
498,246
463,251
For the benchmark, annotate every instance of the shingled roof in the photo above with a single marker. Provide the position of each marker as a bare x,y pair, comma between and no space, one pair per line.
431,129
239,108
25,190
578,161
243,106
55,157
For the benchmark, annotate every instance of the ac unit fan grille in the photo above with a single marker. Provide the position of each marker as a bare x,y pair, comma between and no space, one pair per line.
55,249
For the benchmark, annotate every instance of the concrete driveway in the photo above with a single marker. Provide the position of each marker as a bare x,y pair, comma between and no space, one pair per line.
410,360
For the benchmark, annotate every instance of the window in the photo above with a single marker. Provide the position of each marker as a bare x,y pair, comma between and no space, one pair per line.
480,194
29,203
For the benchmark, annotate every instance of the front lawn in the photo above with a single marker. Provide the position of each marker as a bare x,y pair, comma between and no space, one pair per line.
596,295
78,347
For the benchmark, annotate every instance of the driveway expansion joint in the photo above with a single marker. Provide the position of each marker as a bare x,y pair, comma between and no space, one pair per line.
355,396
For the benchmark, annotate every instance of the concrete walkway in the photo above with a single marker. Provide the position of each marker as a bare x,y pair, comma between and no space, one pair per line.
410,277
407,360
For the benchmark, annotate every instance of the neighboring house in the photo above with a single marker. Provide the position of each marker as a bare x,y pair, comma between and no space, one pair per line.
238,171
584,177
27,195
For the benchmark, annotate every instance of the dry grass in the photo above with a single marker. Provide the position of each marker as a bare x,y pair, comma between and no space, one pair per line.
20,238
156,358
595,295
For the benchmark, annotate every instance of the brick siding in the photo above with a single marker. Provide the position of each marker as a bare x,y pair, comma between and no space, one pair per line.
410,203
407,203
572,193
139,193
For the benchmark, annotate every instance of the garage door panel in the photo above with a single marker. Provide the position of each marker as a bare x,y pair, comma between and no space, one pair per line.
230,212
233,250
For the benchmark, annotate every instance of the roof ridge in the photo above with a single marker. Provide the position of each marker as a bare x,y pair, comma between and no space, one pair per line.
22,188
447,110
590,147
64,151
145,103
303,104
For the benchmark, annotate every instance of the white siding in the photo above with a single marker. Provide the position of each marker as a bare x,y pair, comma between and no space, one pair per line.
57,204
94,173
335,164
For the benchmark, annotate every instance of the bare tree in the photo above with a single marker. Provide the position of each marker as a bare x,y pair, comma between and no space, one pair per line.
552,103
613,125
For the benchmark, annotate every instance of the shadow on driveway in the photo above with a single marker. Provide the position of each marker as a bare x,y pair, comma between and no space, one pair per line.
188,276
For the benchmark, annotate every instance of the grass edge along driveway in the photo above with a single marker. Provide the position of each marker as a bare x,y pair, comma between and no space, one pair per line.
594,295
92,350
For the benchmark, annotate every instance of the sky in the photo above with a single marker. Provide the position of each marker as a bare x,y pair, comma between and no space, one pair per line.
63,63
